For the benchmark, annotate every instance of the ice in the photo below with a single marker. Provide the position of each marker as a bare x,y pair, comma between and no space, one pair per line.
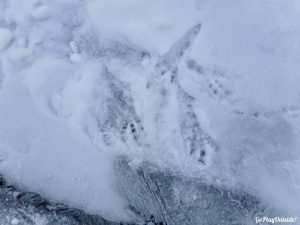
180,200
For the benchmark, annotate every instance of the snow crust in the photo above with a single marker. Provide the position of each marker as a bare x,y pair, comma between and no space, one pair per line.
82,82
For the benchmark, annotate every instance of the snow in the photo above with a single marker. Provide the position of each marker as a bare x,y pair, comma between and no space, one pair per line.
5,37
208,89
75,57
14,221
40,12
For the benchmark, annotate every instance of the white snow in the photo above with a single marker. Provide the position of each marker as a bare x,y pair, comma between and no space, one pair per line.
53,64
75,57
5,37
40,12
14,221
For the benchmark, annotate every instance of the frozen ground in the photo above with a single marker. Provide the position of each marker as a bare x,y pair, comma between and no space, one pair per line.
127,109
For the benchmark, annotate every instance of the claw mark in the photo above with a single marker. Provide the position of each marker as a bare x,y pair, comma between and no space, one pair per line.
214,81
198,142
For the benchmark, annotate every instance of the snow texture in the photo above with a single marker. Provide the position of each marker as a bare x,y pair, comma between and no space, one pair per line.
171,112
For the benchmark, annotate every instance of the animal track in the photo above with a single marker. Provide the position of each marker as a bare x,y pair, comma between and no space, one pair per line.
119,114
214,81
198,142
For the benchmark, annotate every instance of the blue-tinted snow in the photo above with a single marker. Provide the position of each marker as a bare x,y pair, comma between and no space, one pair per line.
206,89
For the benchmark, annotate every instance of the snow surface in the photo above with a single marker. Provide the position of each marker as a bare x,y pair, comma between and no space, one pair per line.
5,37
82,82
